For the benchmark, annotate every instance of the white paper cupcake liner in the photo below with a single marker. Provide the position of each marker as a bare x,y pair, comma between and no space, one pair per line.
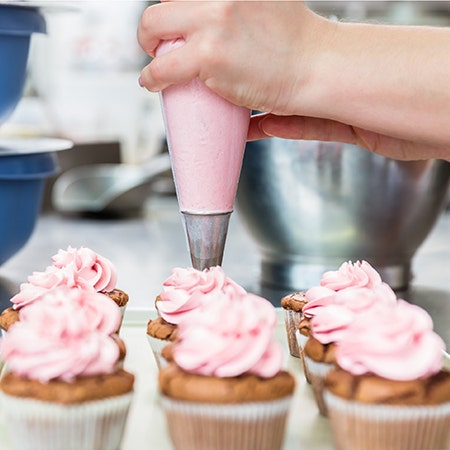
301,341
122,313
39,425
157,345
246,426
291,320
318,372
362,426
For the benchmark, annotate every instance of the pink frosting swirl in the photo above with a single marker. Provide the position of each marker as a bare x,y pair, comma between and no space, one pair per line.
396,343
81,268
186,289
230,336
64,335
90,268
357,286
358,274
331,315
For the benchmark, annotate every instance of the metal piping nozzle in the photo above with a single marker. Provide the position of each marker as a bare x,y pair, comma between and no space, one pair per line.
206,235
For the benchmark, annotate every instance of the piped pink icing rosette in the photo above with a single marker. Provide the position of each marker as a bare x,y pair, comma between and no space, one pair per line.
90,269
342,294
187,289
331,315
359,275
351,275
80,268
230,335
395,343
64,335
332,307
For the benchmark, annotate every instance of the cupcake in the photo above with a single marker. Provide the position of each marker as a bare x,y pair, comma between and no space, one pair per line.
390,390
64,386
225,388
183,292
330,309
349,275
80,268
292,306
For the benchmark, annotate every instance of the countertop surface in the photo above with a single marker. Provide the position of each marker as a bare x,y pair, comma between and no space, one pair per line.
146,248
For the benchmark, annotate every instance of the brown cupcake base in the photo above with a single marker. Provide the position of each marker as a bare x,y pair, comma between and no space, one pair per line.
82,389
118,296
376,390
8,317
178,384
161,329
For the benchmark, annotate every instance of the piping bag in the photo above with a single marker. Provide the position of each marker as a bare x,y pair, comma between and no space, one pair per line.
206,136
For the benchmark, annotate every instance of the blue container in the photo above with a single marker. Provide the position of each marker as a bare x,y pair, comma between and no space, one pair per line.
22,181
17,24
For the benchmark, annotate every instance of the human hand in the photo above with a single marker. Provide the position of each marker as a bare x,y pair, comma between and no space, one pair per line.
231,47
318,79
311,128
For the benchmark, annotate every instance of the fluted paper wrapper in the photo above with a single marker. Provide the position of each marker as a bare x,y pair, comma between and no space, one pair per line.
39,425
122,314
362,426
301,341
246,426
157,345
291,320
318,372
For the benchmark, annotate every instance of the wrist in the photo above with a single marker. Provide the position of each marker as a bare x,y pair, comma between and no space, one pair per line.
310,70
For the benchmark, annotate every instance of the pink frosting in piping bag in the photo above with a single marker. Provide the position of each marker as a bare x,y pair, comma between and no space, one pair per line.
230,336
396,343
186,289
206,136
64,335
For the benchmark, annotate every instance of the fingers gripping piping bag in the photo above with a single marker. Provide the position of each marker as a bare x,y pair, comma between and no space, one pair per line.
206,136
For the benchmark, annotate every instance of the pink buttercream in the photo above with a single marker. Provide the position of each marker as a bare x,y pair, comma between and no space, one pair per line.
332,314
358,274
230,336
357,284
186,289
90,268
343,294
64,335
81,268
396,343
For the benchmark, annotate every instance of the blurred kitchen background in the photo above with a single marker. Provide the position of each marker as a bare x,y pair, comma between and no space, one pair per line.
82,75
82,85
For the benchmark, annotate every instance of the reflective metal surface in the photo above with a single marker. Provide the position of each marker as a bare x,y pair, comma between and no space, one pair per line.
206,235
107,188
311,205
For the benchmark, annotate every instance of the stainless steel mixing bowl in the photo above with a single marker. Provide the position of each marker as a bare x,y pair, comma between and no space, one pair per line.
309,206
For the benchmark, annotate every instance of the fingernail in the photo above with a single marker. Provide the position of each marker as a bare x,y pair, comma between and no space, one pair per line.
141,84
261,126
